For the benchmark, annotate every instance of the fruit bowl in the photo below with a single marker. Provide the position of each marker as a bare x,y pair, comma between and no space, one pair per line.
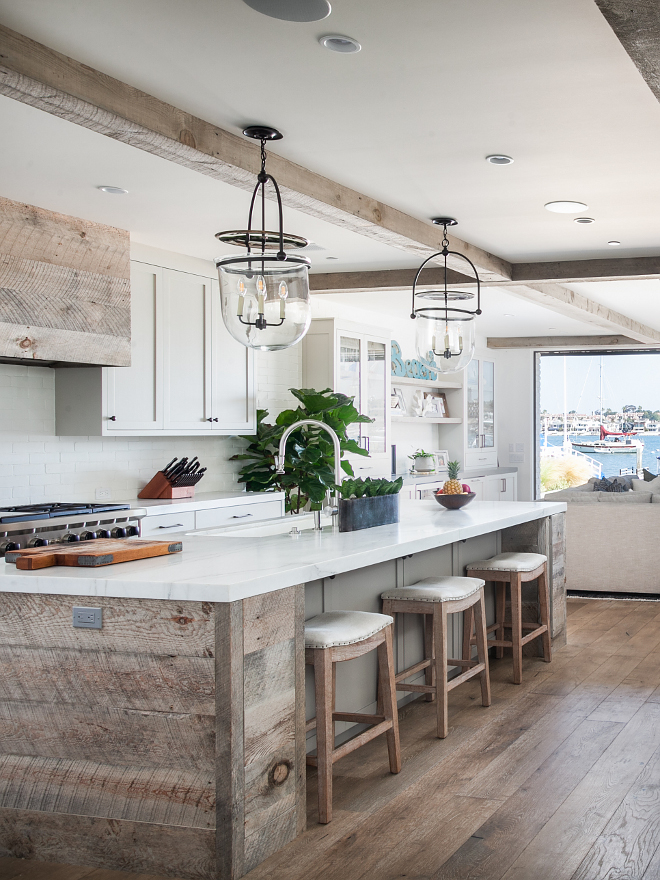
455,502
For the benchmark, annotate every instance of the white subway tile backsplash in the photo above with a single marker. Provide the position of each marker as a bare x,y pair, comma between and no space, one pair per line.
36,465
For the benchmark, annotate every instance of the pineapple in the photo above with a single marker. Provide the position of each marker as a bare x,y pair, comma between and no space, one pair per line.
453,484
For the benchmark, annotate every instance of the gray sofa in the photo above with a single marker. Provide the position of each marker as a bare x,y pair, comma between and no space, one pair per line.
612,537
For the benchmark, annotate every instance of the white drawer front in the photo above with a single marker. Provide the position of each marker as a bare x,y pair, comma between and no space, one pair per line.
238,513
169,522
480,458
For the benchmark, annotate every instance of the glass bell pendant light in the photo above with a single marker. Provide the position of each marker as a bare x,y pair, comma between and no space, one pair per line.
445,329
265,292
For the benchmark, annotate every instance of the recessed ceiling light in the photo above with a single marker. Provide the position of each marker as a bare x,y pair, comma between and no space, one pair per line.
115,190
332,258
340,43
584,220
614,243
507,315
552,328
565,207
292,10
499,159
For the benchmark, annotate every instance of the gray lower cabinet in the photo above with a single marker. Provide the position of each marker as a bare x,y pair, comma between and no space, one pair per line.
360,591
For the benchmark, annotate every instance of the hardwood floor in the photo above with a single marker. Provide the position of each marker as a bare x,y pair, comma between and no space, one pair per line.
558,780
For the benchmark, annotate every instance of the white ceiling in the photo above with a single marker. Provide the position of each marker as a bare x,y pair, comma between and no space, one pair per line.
409,120
438,85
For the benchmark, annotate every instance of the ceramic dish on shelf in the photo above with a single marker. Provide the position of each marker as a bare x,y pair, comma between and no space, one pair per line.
454,502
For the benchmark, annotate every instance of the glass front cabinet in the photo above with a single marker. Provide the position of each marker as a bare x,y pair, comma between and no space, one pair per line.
480,445
347,358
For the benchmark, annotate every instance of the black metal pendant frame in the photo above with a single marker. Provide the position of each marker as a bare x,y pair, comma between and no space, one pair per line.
445,312
262,237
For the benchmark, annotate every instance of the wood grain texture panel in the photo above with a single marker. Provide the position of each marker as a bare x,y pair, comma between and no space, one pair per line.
300,768
35,234
560,341
270,734
270,838
268,619
637,27
64,284
229,769
96,678
124,737
166,850
36,75
85,788
136,626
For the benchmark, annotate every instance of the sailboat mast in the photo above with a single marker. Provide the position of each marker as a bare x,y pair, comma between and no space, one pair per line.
601,389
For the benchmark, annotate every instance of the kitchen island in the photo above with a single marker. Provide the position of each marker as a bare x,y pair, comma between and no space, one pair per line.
172,740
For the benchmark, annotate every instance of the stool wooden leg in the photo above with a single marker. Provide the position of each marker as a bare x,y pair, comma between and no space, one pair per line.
325,738
388,696
482,649
429,672
500,611
516,626
440,646
468,624
544,604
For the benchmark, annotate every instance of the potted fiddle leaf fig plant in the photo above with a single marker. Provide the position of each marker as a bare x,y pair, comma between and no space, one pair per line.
309,459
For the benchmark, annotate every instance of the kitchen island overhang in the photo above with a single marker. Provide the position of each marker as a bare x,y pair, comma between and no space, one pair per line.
172,741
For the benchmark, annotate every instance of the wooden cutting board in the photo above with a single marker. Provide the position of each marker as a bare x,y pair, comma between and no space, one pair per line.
91,554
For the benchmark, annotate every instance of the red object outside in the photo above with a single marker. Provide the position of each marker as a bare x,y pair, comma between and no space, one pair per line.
604,433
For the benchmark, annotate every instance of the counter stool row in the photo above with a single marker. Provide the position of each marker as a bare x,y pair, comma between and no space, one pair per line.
344,635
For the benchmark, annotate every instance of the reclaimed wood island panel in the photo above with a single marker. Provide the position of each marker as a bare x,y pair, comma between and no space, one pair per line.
172,740
164,743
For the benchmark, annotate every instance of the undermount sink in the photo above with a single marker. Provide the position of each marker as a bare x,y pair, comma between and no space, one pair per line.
281,526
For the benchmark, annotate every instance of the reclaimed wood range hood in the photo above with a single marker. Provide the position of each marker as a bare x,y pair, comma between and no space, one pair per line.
64,289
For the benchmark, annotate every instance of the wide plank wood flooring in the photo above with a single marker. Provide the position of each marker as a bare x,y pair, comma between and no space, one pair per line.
558,780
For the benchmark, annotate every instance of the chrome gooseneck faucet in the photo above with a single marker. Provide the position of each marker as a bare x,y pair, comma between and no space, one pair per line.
333,510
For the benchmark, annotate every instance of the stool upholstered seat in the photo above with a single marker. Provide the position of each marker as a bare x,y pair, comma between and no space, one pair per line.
512,570
509,562
334,628
331,638
435,598
437,589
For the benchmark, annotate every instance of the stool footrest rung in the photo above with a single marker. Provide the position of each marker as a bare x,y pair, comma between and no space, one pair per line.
534,635
355,742
417,688
411,670
464,676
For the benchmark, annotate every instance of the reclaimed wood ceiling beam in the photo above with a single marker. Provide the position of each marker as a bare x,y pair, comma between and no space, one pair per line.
39,76
637,27
571,304
573,342
382,280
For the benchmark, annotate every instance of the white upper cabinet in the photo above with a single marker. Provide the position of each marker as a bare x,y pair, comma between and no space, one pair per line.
354,361
480,446
187,376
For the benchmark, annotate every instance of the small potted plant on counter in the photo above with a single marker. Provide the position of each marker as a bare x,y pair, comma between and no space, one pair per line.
365,504
423,462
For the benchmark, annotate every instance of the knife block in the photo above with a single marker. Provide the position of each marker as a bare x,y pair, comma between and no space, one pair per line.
160,487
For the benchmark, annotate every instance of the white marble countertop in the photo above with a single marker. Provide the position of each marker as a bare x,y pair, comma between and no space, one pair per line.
201,501
225,569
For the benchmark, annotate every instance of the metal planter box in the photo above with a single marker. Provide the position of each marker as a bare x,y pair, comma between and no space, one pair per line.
366,513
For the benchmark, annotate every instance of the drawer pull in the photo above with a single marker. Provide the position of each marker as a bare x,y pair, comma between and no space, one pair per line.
173,526
241,516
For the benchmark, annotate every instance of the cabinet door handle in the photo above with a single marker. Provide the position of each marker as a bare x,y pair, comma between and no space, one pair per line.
241,516
503,486
209,420
173,526
215,420
112,418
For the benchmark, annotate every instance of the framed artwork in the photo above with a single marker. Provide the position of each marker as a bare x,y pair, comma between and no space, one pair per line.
441,459
435,405
397,401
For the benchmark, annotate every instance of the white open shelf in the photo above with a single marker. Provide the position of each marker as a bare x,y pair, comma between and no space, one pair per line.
425,383
428,421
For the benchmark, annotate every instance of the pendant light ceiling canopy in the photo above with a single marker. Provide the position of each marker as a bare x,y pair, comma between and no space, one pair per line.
445,329
265,291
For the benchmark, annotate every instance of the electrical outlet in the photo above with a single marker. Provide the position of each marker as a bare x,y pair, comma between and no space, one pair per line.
103,494
88,618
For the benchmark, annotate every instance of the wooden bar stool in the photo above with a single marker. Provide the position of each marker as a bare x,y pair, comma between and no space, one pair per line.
514,569
329,639
436,598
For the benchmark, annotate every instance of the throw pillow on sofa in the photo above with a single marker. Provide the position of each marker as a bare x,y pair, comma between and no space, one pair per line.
642,486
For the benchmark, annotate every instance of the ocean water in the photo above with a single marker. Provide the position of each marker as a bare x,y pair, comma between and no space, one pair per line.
613,462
